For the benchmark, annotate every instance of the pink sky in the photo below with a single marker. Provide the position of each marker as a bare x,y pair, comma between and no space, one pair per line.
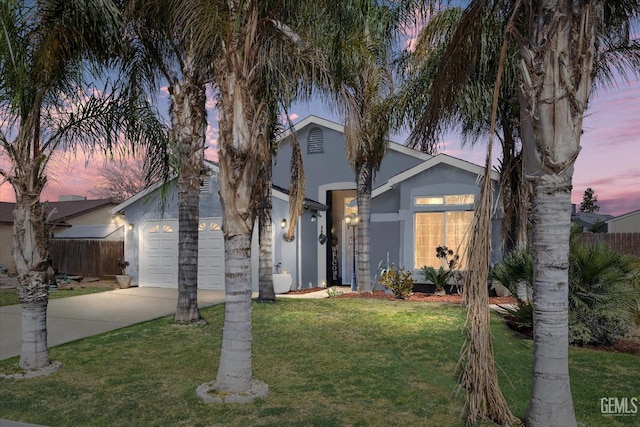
609,161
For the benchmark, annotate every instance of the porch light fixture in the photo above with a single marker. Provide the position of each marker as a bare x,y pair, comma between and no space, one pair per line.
130,227
352,221
283,223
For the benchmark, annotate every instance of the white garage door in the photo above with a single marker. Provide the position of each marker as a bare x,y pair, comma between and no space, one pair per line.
159,254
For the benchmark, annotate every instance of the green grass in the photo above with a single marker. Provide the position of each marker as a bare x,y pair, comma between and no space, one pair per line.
331,362
10,296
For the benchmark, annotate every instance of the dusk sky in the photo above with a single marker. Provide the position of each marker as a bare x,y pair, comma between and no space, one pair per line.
609,161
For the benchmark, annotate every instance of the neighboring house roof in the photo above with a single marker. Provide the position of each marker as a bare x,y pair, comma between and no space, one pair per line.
88,232
58,212
624,216
588,219
213,166
62,211
311,120
428,164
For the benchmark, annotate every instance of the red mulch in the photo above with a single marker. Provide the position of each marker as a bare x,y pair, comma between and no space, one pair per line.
622,345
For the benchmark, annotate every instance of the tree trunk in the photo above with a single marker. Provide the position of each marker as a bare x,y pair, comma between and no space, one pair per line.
555,76
31,257
365,182
240,163
189,120
551,402
234,372
265,282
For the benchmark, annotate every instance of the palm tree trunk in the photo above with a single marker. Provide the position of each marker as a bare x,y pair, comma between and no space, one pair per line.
188,117
234,372
555,76
265,282
365,182
239,169
551,402
31,258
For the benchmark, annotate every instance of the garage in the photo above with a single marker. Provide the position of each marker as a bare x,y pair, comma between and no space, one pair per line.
159,254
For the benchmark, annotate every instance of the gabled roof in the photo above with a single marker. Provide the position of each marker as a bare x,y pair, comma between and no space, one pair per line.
88,232
283,194
62,211
623,216
587,219
213,166
319,121
58,212
428,164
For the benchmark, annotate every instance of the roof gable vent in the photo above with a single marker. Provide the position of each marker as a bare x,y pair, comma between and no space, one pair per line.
315,142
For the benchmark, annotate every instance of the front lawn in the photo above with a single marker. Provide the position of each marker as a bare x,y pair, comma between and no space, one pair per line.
331,362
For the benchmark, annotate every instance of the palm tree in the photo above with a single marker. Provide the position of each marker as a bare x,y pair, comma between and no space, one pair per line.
158,49
363,70
47,51
261,44
558,62
560,46
435,99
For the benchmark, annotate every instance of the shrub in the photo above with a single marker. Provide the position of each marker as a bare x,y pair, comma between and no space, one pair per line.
441,276
603,294
399,281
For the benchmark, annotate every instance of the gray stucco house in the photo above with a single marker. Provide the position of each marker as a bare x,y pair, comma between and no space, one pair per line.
419,202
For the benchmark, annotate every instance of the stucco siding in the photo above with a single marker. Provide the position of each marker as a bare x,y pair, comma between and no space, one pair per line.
629,223
385,238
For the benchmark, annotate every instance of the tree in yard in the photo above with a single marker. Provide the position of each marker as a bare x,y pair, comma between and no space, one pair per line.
47,51
361,49
120,179
439,95
261,42
589,201
160,50
562,45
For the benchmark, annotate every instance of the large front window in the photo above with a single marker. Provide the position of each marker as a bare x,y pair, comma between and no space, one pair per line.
448,227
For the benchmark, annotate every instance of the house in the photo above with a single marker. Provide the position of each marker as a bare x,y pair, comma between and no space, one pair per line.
419,202
151,236
627,223
67,212
590,221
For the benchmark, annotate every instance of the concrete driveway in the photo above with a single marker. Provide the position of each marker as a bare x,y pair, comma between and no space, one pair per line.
73,318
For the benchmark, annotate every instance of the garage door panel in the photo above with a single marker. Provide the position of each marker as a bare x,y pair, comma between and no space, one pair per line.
159,254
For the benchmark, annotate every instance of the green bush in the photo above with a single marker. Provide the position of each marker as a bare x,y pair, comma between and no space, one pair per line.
399,281
603,293
441,276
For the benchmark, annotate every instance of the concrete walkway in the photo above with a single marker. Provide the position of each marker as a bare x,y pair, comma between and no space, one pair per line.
73,318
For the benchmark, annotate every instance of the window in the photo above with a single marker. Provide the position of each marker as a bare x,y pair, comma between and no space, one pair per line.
156,229
315,143
458,199
433,229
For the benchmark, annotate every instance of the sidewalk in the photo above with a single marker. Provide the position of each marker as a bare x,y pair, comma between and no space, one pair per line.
73,318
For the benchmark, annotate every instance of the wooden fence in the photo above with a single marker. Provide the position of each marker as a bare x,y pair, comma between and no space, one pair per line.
628,243
87,257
